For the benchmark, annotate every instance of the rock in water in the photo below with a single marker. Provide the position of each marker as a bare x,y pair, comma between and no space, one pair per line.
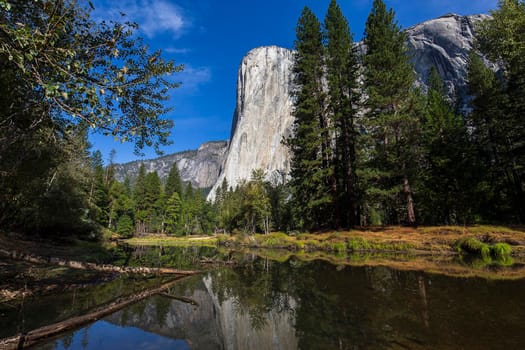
262,118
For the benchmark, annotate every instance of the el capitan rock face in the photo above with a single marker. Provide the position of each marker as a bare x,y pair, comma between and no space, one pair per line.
263,116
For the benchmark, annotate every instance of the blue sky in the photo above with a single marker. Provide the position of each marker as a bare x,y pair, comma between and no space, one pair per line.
210,37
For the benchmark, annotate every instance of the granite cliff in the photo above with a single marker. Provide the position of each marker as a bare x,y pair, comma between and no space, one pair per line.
263,113
201,167
263,118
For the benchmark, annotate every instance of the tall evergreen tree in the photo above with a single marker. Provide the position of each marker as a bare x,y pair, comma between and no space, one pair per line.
99,192
139,195
153,202
446,171
174,214
311,171
392,119
173,182
343,99
489,124
501,39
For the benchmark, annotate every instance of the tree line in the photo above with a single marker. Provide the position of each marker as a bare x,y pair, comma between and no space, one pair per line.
369,147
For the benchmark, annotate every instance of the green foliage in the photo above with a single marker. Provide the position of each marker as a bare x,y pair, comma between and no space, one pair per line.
174,214
445,189
392,123
99,74
173,182
343,104
125,226
500,251
498,106
61,74
311,170
473,246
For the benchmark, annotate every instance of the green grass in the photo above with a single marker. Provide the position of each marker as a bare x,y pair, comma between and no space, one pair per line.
472,246
500,252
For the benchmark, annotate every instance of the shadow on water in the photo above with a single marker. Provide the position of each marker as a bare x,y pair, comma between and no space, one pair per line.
271,300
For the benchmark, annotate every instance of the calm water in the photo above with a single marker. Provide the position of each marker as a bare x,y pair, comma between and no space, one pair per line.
262,304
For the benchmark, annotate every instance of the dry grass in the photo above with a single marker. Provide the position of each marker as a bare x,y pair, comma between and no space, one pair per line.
436,240
161,240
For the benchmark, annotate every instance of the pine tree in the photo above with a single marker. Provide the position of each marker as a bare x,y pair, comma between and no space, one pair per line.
446,170
343,98
501,39
120,202
392,120
174,214
153,201
99,192
488,121
312,176
139,194
173,182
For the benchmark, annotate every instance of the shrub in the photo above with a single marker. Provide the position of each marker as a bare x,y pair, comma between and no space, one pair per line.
358,244
336,246
473,246
500,251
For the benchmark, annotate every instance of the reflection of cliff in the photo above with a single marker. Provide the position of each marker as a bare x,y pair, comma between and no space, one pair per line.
219,322
246,328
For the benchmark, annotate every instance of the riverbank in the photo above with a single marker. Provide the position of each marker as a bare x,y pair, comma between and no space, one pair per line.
442,240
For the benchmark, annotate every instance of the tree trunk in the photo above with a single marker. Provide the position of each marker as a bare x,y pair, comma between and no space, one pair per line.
410,201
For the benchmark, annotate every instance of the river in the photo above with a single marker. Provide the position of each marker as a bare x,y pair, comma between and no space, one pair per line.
260,303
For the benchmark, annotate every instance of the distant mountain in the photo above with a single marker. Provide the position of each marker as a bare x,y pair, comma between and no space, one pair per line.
201,167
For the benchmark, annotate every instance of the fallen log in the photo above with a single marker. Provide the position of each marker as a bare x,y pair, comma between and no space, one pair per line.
178,298
38,335
16,255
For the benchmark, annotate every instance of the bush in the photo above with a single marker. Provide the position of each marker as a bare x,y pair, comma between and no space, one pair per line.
471,245
500,251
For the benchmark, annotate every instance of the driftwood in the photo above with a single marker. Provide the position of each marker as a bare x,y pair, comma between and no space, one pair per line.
33,337
178,298
91,266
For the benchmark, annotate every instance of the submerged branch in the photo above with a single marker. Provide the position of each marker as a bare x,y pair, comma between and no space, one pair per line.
28,339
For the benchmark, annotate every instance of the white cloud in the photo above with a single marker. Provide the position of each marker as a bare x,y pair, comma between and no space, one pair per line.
153,16
193,77
177,50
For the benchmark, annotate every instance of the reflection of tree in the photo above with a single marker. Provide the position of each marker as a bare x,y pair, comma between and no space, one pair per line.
85,338
175,257
67,340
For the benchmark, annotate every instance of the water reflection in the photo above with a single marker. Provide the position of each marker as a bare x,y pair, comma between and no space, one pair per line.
317,305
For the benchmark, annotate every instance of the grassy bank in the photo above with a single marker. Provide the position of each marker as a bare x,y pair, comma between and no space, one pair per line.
430,240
